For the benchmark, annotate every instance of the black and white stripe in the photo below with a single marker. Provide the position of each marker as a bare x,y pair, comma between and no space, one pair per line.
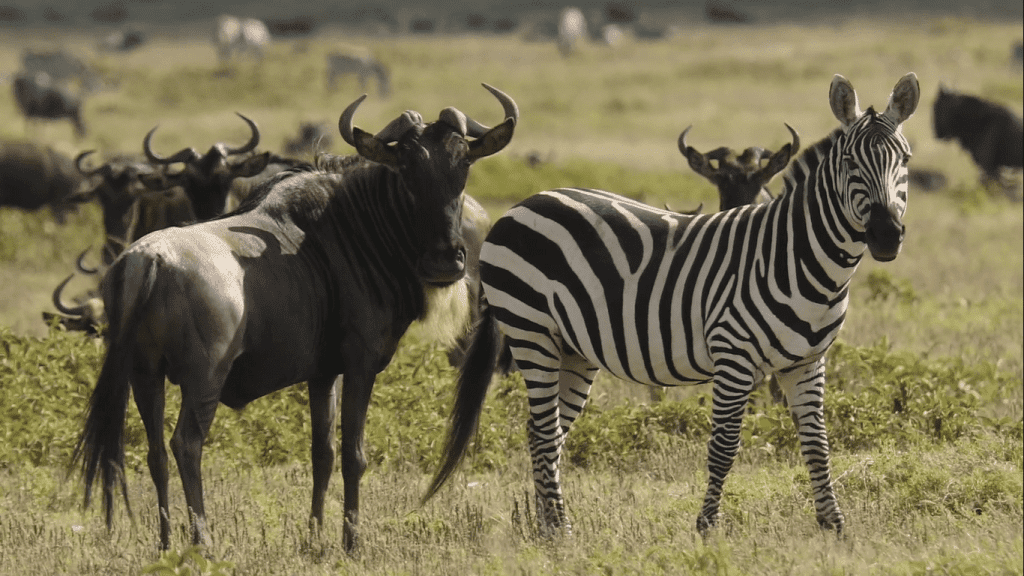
579,280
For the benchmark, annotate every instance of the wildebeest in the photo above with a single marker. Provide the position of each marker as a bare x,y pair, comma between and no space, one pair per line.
123,40
38,96
740,179
361,63
992,134
131,209
572,29
317,275
87,316
235,36
312,136
62,68
207,178
33,176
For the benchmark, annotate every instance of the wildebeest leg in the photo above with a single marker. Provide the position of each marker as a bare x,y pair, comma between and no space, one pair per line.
323,410
148,390
197,411
355,397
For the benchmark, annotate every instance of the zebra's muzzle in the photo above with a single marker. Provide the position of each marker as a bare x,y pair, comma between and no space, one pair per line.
884,234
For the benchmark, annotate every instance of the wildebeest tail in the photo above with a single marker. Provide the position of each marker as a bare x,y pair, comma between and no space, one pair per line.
474,379
100,448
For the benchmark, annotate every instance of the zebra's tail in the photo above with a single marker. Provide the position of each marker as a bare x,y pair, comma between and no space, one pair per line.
474,379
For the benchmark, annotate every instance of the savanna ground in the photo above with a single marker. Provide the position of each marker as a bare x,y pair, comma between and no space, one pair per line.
925,397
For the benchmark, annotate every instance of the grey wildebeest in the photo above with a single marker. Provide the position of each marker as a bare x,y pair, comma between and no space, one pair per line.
992,134
235,36
33,176
362,63
740,178
317,275
207,178
38,96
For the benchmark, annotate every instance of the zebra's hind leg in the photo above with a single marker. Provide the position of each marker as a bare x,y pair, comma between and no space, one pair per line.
805,388
557,397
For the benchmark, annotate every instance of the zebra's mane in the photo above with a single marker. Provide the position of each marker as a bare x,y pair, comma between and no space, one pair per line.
800,169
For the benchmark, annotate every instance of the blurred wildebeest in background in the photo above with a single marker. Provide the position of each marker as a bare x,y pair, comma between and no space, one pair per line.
296,27
572,30
992,134
86,315
110,13
130,208
38,96
207,178
63,69
33,176
123,40
740,179
312,136
236,36
361,62
719,13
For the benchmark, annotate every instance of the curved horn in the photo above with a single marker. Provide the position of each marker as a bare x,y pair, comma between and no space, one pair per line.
81,267
345,122
682,140
182,156
78,164
254,140
476,129
60,306
454,118
796,140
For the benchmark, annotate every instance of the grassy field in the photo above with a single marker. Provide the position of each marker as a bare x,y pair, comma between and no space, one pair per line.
930,488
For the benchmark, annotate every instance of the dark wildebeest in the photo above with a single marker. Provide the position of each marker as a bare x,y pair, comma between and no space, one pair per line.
740,179
207,178
131,209
33,176
38,96
317,275
992,134
312,137
86,316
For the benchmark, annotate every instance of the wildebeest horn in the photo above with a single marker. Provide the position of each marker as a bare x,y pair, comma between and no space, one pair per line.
682,140
454,118
81,267
476,129
60,306
182,156
345,122
796,140
254,140
78,164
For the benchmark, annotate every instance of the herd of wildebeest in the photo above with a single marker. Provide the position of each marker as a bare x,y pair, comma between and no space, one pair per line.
234,203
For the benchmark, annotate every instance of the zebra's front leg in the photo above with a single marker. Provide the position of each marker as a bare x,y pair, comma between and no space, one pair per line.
805,390
729,400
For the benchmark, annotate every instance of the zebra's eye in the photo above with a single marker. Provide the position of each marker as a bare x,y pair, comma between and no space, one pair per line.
906,159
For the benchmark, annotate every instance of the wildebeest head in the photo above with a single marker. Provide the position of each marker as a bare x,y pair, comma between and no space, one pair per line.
207,178
433,162
872,163
33,176
739,178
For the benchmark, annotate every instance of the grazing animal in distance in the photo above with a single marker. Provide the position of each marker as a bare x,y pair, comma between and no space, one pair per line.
312,136
38,96
207,178
316,275
361,63
62,68
240,36
130,208
740,178
572,30
88,316
990,133
33,176
579,280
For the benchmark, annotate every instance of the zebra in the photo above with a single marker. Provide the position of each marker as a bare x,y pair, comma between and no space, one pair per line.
577,280
572,30
233,36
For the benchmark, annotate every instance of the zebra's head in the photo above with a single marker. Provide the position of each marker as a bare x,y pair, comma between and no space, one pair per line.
872,156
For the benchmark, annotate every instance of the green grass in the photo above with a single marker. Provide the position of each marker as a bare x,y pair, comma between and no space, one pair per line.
925,394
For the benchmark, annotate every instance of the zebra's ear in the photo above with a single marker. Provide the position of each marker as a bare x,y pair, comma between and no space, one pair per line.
843,99
904,99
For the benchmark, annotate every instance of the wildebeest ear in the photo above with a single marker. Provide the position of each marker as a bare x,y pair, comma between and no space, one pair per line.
494,140
904,99
777,162
843,100
251,166
373,149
